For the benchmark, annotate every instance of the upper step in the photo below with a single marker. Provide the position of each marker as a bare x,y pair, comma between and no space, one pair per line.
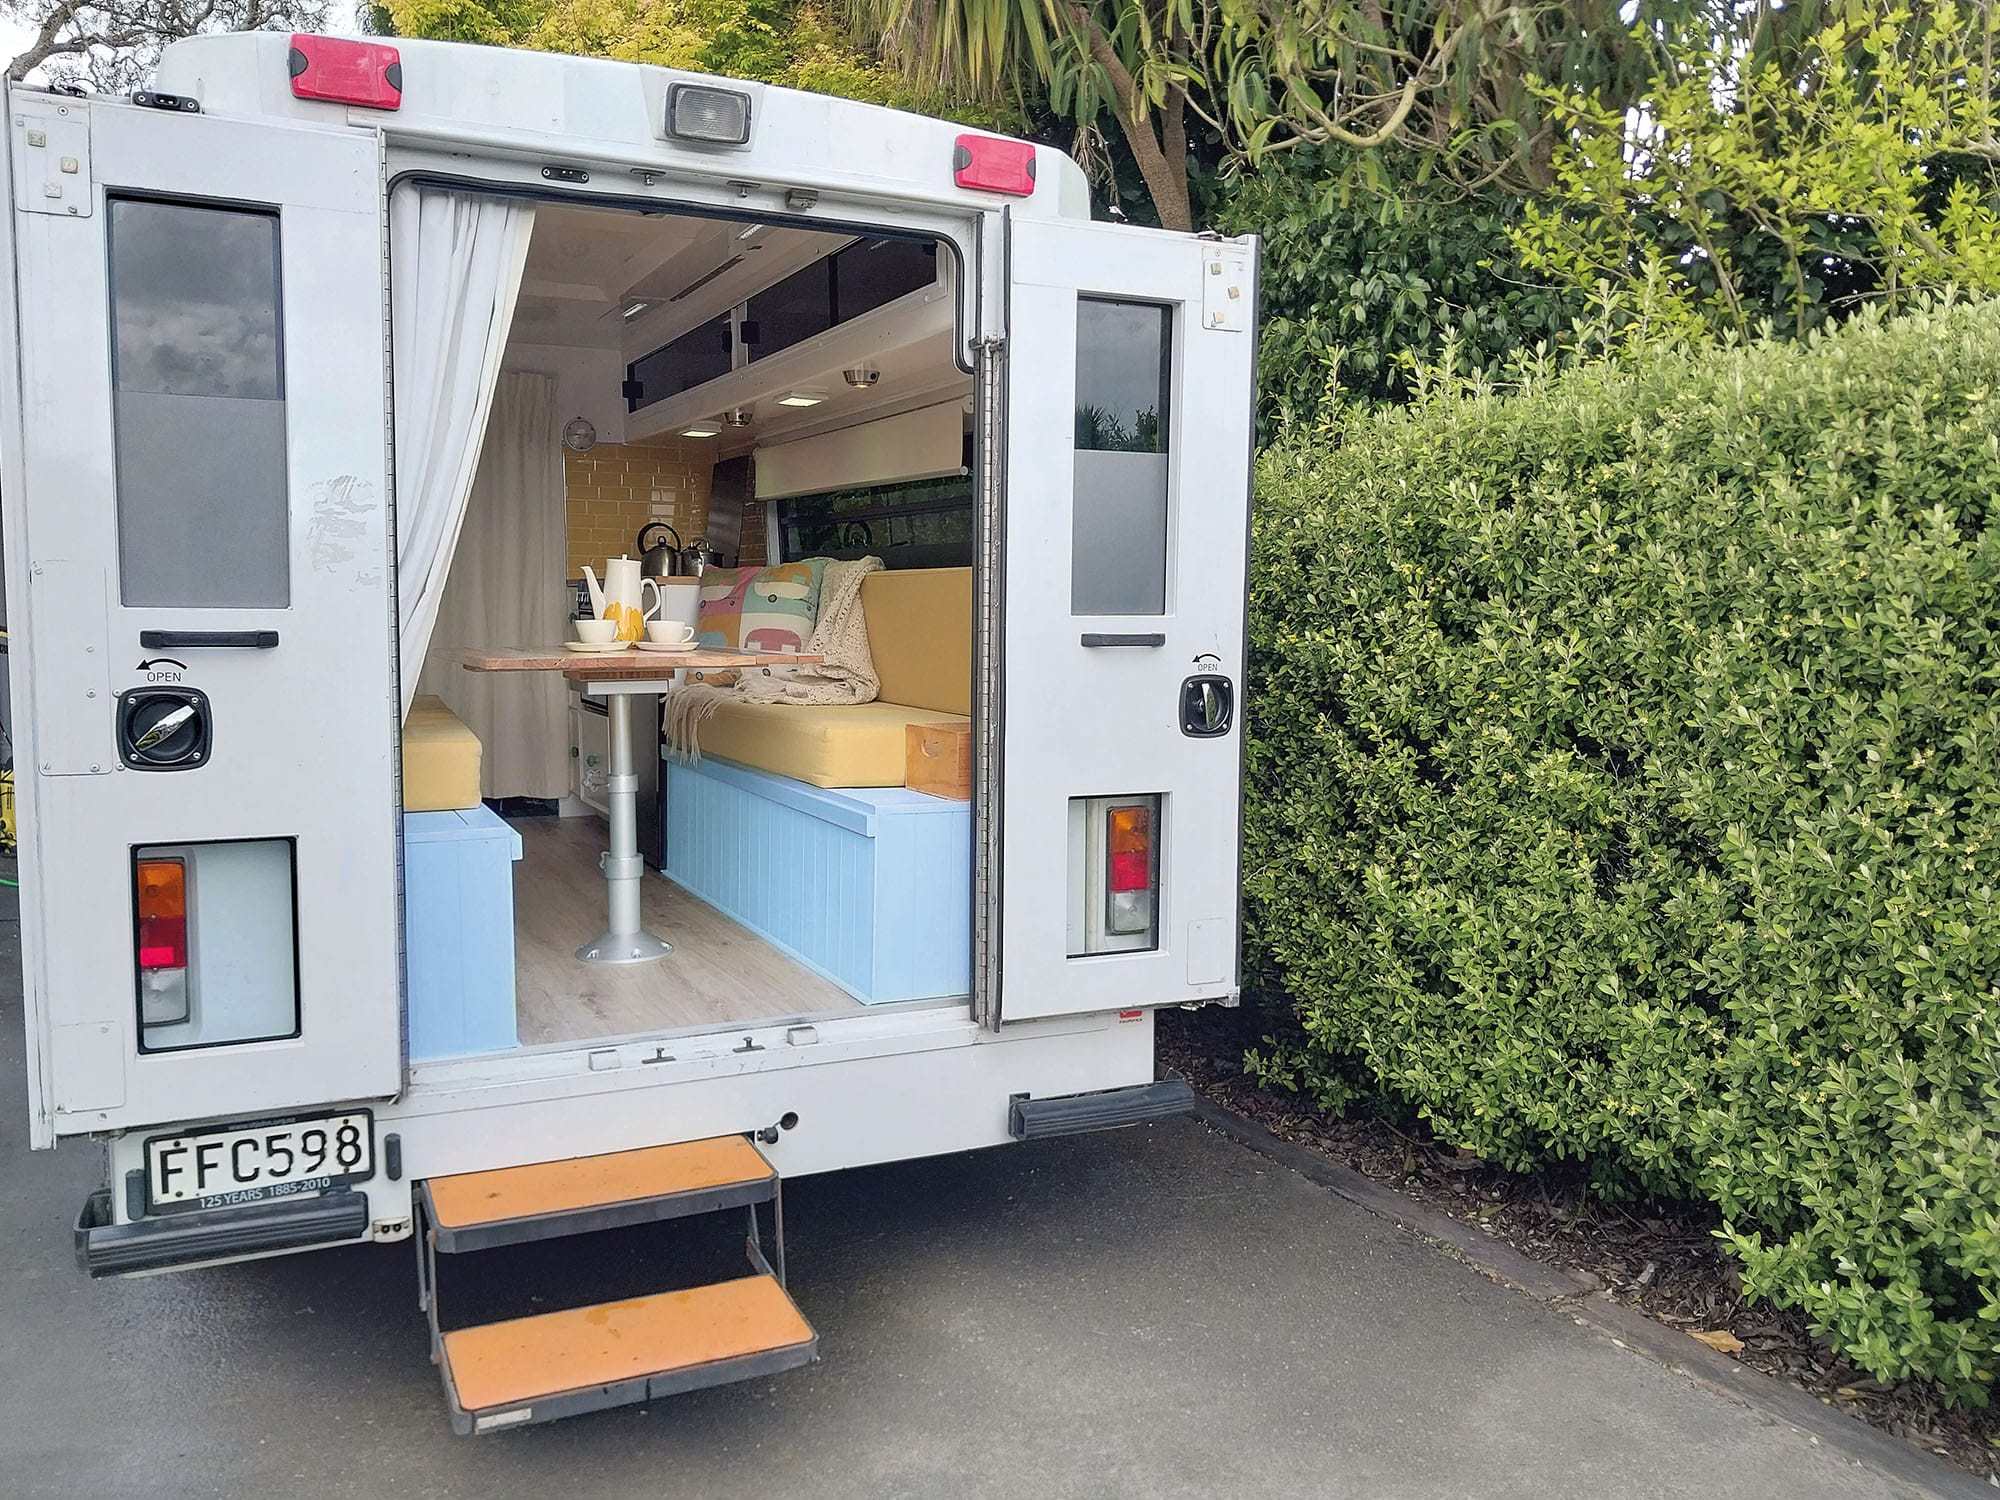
545,1200
588,1358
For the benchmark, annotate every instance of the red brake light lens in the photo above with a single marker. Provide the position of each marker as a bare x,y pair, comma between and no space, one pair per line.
994,165
344,71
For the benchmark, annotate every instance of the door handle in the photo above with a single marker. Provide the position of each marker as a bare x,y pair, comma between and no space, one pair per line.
1093,639
183,640
1208,706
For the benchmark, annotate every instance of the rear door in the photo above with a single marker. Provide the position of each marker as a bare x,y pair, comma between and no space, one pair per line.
197,540
1129,363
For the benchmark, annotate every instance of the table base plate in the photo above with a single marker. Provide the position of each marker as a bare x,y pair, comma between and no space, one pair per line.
624,948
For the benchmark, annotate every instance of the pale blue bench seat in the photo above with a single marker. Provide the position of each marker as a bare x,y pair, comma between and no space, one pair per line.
869,886
458,904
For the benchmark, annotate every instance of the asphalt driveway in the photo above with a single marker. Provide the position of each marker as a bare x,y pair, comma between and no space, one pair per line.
1153,1312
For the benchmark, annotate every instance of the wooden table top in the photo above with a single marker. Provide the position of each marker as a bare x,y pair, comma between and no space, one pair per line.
612,666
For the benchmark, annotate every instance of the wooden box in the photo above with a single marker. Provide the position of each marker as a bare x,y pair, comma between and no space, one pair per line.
937,759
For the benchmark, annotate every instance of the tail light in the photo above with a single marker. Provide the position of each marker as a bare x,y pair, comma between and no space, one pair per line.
1130,874
1114,874
161,887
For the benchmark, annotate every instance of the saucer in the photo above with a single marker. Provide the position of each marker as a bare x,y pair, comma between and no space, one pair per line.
596,648
665,645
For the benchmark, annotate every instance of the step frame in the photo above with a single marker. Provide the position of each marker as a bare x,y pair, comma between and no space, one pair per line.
749,1195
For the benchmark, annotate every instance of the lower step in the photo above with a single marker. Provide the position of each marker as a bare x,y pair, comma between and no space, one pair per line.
562,1364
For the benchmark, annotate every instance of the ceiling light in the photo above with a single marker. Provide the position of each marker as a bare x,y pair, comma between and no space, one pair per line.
737,416
633,309
861,377
802,398
750,232
701,429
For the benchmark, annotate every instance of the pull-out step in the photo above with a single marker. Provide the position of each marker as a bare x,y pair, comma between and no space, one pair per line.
547,1200
560,1364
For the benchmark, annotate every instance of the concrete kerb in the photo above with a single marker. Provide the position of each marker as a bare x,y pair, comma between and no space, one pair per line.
1893,1459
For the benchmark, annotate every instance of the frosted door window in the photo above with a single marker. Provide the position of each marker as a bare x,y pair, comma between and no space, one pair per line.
1118,534
199,406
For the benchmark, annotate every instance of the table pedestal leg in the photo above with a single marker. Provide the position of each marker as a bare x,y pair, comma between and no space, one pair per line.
625,941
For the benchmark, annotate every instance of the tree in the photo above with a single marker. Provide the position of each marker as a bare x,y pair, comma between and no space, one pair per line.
114,45
1137,60
798,45
1780,186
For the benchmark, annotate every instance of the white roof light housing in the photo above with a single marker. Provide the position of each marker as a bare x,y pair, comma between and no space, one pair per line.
700,430
708,116
802,398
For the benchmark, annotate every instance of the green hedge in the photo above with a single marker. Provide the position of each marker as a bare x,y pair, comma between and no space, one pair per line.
1625,788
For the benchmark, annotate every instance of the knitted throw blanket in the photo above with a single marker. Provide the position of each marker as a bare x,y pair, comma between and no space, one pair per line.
846,675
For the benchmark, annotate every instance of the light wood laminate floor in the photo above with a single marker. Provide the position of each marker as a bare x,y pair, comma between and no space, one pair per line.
718,973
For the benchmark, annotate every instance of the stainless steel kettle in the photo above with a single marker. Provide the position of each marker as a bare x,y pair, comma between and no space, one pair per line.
659,560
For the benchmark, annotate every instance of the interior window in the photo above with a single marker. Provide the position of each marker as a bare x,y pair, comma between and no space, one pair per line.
926,523
1118,557
198,405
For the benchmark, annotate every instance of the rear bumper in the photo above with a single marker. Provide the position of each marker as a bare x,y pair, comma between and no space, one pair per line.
1030,1119
104,1248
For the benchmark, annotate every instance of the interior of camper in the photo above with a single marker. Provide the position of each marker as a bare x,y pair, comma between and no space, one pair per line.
712,435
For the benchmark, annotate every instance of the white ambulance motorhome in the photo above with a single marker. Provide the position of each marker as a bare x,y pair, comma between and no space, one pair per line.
313,347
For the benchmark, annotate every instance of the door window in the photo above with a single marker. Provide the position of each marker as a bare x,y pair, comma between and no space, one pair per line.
1118,534
199,405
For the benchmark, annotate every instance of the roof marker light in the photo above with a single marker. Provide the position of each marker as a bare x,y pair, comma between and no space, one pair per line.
709,116
994,165
344,71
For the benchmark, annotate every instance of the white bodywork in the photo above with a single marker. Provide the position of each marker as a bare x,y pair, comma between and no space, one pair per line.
311,742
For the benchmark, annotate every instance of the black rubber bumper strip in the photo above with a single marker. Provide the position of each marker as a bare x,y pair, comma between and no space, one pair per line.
1068,1114
107,1249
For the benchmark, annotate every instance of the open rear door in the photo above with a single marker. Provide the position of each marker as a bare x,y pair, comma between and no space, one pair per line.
197,541
1130,358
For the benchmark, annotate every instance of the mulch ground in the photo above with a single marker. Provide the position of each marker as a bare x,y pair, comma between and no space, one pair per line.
1661,1258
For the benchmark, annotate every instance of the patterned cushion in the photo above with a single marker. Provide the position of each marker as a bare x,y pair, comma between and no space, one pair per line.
761,609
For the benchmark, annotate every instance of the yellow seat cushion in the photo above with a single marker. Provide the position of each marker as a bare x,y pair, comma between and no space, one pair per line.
846,744
440,759
920,634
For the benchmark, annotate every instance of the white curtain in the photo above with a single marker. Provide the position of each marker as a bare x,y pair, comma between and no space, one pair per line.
455,263
506,587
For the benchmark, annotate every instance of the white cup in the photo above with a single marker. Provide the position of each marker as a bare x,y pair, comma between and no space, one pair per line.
669,632
597,632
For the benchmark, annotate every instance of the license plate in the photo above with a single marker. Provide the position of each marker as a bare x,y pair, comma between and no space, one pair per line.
257,1163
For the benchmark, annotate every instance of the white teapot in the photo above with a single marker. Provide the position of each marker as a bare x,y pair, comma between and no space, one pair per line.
622,596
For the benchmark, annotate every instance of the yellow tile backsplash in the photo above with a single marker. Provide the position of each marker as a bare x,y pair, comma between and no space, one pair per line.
612,493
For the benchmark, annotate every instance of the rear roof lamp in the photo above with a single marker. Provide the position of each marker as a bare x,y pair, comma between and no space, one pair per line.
343,71
994,165
714,117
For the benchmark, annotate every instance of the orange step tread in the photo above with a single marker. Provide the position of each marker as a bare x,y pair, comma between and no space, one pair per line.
554,1187
532,1359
